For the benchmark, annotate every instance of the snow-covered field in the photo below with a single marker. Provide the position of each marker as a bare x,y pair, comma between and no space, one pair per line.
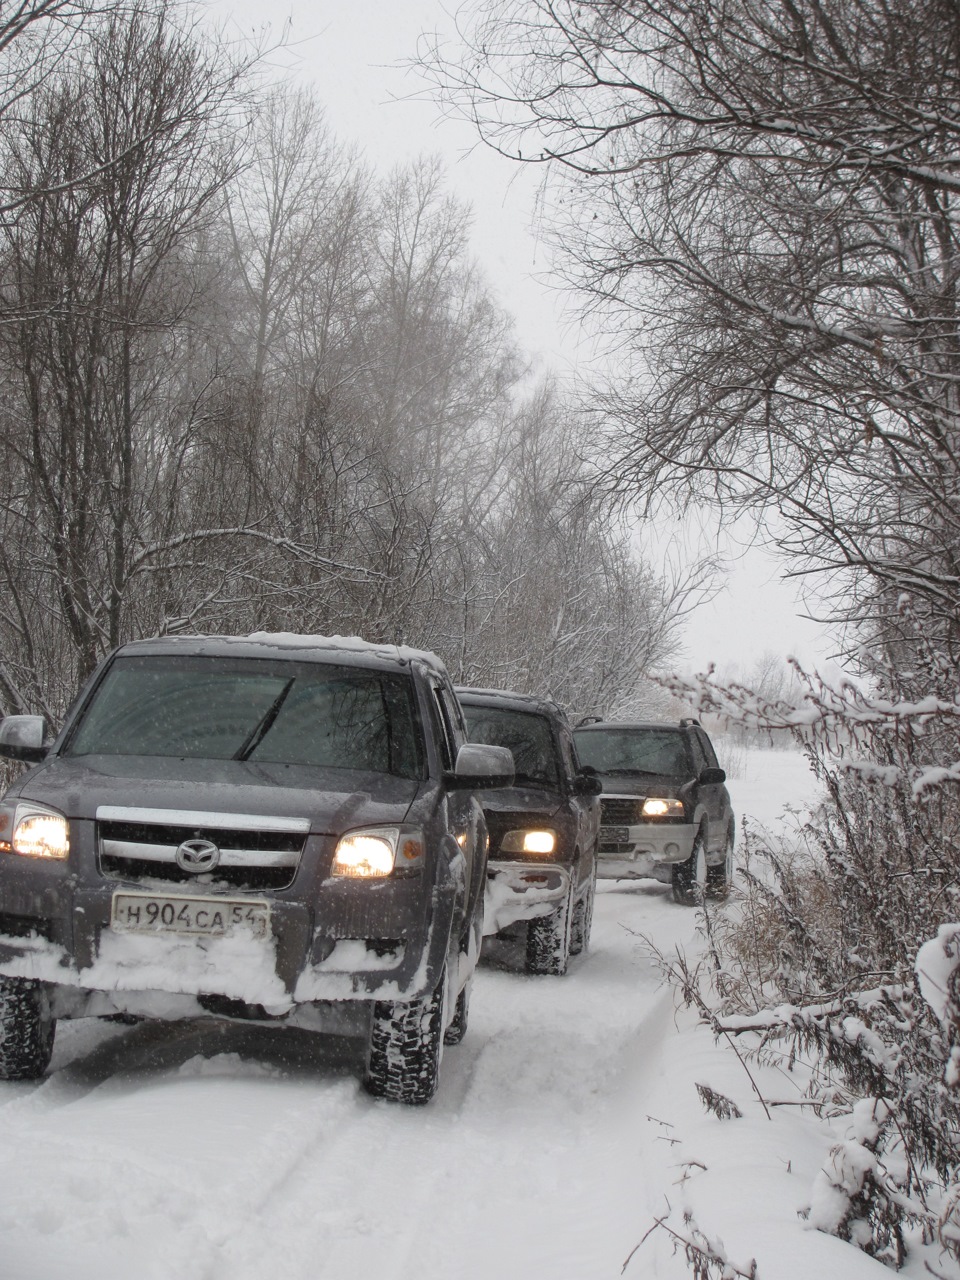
566,1123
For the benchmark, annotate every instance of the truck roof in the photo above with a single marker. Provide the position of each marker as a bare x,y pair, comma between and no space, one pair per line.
346,650
506,698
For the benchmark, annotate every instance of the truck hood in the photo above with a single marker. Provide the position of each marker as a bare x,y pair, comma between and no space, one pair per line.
332,800
520,799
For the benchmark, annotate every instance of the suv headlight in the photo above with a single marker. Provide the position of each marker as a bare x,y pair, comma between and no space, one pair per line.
35,832
539,841
378,851
661,807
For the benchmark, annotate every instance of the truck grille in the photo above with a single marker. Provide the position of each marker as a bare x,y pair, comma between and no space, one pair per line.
621,811
255,853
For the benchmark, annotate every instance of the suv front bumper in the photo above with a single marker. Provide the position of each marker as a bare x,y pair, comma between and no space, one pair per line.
522,891
645,850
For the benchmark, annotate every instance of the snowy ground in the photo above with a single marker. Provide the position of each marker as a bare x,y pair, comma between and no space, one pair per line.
565,1124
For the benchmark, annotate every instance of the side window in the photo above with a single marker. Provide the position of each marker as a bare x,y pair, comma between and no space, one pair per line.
708,750
571,765
443,728
454,714
696,748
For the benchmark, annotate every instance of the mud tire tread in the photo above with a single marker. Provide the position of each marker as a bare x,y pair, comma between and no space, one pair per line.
26,1030
406,1044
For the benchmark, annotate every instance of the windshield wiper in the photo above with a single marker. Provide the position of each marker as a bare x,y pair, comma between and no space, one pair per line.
263,725
648,773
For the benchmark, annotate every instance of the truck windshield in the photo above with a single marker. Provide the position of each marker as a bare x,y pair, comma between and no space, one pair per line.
528,736
653,750
212,708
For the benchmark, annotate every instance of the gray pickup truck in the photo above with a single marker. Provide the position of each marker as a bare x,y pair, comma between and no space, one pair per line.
278,828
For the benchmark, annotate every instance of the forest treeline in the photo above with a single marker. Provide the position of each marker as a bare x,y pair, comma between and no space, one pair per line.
247,383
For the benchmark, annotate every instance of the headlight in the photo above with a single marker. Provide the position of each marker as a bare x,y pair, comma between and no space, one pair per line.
378,851
529,841
656,807
38,832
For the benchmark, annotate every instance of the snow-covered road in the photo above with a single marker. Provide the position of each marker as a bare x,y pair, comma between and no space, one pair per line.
223,1152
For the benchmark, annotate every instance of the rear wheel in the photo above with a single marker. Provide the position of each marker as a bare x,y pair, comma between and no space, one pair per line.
406,1043
548,939
583,917
689,878
26,1030
720,878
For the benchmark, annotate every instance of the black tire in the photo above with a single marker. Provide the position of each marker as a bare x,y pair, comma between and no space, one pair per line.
406,1043
689,878
548,940
26,1030
461,1014
720,878
583,917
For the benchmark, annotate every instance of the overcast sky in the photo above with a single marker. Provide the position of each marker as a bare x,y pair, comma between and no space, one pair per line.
353,53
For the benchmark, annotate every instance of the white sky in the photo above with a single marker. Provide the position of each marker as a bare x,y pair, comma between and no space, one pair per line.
351,52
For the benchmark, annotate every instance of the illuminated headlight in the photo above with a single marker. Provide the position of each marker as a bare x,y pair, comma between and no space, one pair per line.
656,807
38,832
529,841
378,851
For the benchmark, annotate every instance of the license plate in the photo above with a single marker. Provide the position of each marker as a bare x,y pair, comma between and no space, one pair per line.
615,835
179,913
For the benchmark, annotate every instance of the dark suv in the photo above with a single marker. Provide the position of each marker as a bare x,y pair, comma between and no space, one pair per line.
542,865
277,828
666,813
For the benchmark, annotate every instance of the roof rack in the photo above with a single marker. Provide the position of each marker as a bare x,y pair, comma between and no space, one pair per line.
589,720
687,721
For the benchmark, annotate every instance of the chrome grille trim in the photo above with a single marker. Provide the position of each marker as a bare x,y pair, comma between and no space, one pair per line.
228,857
200,818
257,853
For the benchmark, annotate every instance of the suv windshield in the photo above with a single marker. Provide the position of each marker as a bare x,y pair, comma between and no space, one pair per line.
635,751
527,735
250,709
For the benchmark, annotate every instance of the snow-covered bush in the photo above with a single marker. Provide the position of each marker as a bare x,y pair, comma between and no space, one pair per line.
844,948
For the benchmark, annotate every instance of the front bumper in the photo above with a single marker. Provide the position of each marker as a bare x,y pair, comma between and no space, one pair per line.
328,940
645,850
522,891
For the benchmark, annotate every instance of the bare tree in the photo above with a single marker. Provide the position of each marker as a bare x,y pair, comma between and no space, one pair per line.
758,200
96,278
548,596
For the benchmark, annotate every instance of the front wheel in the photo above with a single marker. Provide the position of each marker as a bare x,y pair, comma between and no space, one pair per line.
689,878
720,878
548,939
26,1030
406,1044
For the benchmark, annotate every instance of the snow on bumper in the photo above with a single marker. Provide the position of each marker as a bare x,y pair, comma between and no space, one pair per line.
521,891
358,943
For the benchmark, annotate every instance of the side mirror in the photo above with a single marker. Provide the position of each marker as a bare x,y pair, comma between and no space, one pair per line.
481,765
709,776
21,737
587,784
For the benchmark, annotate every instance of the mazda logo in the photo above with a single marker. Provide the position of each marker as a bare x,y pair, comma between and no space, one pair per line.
197,855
